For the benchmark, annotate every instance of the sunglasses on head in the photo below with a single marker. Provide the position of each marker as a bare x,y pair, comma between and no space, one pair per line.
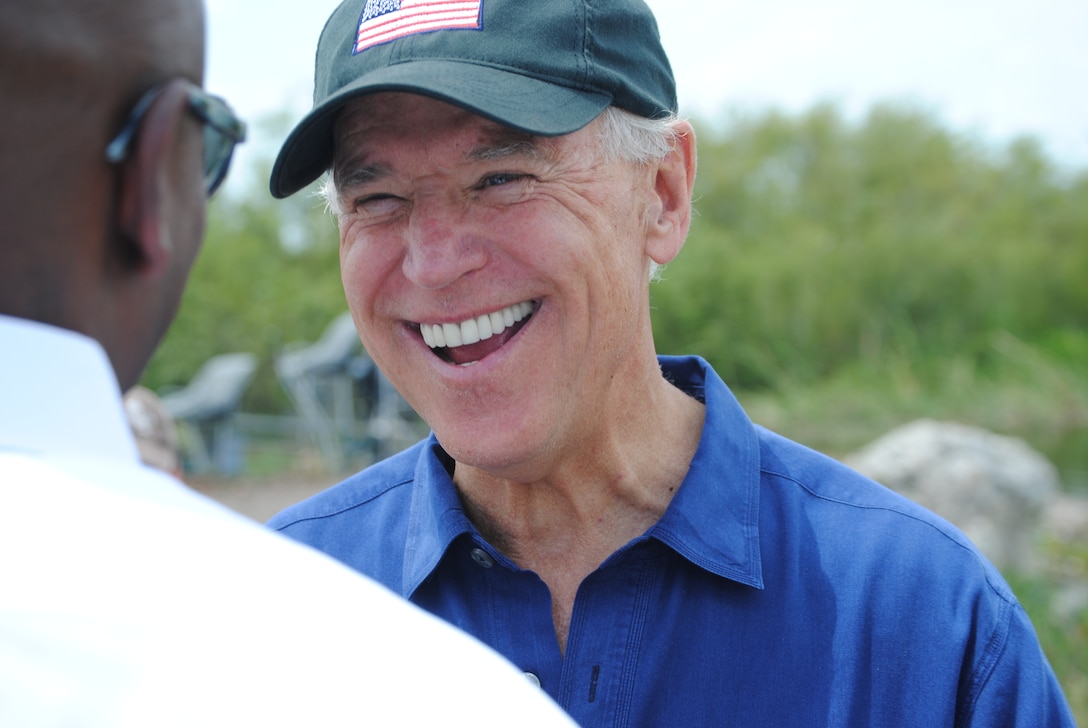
222,130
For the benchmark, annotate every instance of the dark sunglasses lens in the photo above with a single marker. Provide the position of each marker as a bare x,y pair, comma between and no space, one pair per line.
217,153
222,130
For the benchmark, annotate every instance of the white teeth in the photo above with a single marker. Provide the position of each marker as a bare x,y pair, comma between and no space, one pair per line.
475,329
470,332
453,334
484,325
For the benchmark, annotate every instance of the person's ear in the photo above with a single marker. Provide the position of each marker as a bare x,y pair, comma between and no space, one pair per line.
673,183
147,184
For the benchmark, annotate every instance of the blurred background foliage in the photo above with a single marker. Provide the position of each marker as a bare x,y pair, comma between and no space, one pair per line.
844,277
818,246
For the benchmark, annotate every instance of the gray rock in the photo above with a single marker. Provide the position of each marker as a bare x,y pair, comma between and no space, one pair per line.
993,487
1066,519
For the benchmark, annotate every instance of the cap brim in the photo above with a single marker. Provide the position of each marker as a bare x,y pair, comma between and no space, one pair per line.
511,99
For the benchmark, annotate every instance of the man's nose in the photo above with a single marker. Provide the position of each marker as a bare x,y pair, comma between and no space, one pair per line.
442,245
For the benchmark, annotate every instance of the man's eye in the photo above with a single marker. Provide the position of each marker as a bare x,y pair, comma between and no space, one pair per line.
378,205
505,188
501,178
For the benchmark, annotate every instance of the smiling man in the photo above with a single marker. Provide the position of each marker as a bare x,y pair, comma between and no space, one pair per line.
507,176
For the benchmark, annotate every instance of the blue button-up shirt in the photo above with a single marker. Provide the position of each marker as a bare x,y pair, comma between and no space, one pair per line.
779,588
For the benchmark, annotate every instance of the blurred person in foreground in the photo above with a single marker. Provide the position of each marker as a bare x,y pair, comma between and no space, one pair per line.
125,598
506,179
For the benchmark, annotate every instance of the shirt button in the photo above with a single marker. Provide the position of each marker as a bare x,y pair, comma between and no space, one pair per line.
482,558
532,678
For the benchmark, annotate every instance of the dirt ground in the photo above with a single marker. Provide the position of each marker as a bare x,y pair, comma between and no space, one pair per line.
262,498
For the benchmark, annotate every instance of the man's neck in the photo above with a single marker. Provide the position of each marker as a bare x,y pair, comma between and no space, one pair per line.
591,502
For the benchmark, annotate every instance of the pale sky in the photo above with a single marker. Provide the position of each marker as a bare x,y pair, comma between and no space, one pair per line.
994,69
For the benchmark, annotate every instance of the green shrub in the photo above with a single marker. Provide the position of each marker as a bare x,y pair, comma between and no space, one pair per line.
817,245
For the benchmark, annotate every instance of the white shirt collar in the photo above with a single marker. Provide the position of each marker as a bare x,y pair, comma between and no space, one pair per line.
59,395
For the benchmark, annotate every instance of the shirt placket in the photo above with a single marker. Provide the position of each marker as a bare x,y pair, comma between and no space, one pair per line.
604,643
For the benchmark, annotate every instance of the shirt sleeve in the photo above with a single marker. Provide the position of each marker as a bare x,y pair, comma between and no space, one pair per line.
1013,683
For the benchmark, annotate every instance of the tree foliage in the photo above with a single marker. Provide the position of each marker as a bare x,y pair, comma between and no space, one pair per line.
819,245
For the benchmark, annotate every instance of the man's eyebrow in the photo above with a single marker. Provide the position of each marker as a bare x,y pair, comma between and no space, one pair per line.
503,145
351,174
506,145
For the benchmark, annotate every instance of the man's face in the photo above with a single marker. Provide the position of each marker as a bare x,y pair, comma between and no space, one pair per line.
450,225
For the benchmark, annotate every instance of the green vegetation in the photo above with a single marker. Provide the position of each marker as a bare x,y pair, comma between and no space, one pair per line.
844,278
818,246
1063,632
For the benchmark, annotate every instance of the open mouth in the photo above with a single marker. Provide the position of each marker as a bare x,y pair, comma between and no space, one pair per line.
471,340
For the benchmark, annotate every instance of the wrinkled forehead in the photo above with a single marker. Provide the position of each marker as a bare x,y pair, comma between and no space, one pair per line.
409,114
369,124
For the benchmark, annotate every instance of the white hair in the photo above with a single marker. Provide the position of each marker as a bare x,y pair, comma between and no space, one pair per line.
637,140
632,138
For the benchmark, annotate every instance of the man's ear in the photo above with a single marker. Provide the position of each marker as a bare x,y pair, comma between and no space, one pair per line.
145,185
673,184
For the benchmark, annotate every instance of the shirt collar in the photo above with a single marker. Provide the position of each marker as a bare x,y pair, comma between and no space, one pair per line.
712,521
58,395
437,516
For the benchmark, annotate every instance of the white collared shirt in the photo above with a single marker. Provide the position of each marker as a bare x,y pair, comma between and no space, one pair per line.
127,599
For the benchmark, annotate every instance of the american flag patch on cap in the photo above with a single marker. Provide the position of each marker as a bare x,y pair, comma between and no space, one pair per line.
386,20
